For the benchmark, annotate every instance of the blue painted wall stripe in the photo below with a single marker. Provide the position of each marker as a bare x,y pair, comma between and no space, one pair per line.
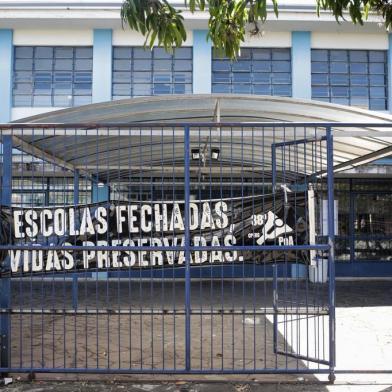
100,193
6,56
301,64
384,161
102,65
201,63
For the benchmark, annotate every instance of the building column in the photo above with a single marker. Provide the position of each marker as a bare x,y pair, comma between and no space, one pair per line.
201,63
102,65
301,72
75,285
6,56
390,72
100,193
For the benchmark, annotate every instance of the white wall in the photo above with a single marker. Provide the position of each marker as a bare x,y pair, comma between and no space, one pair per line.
349,41
21,112
69,37
269,39
126,37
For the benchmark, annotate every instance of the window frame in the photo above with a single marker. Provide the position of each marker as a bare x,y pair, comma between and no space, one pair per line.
43,71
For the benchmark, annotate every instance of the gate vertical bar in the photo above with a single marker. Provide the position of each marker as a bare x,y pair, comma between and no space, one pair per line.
75,276
331,254
187,252
273,158
274,266
5,283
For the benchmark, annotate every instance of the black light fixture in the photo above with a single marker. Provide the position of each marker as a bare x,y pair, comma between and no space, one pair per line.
195,154
215,152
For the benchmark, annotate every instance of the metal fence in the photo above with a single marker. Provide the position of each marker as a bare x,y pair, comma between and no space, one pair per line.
167,248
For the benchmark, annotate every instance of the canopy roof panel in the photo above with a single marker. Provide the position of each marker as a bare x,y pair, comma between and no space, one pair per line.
199,107
83,138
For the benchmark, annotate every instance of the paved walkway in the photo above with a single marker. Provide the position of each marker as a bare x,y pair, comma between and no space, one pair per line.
192,387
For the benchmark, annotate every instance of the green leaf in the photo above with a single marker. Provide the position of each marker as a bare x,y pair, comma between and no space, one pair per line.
161,23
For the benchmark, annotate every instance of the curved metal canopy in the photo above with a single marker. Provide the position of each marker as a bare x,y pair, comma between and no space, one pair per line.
86,145
194,108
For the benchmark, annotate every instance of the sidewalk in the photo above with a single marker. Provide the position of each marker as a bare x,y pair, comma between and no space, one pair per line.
192,387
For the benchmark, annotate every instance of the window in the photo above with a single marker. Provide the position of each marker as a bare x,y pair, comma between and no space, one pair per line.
48,191
350,77
140,72
52,76
257,71
364,219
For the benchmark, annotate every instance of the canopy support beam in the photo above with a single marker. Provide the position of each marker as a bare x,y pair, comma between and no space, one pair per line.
41,154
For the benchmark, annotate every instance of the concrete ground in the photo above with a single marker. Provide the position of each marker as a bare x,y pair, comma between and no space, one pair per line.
231,325
364,342
181,386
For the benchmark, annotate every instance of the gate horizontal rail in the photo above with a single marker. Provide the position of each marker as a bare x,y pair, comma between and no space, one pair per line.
255,248
179,371
266,311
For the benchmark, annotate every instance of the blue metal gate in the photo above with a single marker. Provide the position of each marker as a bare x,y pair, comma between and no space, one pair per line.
167,248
